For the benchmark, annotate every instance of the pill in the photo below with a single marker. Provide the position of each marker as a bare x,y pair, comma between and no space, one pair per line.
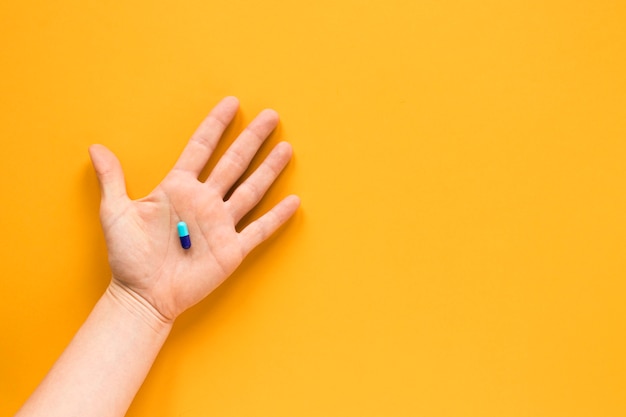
183,233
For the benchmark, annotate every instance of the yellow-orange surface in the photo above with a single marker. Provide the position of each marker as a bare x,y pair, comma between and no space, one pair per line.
461,248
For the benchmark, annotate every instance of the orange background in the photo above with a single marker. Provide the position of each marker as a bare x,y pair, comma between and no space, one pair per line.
460,250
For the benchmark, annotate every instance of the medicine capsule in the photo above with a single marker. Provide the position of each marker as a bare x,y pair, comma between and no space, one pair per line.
183,233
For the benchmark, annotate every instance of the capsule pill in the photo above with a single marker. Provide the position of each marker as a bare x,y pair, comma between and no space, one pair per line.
183,233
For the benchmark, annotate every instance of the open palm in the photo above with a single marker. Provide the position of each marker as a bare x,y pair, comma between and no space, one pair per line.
145,254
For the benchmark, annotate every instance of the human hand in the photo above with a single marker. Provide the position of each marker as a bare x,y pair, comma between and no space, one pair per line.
145,254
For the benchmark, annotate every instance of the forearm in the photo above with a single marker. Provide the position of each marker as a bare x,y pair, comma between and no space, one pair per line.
102,369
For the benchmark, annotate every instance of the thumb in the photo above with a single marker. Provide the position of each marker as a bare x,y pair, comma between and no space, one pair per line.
109,173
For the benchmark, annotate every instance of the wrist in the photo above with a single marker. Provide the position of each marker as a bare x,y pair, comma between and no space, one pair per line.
138,307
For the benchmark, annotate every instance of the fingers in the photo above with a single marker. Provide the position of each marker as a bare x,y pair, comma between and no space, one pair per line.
204,140
250,192
109,172
235,161
262,228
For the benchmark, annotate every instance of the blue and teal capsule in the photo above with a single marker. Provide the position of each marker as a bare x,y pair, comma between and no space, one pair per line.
183,233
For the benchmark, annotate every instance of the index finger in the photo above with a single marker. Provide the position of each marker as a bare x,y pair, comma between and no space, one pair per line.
204,140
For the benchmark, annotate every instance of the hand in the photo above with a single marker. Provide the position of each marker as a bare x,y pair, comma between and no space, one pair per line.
145,253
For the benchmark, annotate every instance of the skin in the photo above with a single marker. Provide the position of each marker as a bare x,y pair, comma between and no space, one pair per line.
153,279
